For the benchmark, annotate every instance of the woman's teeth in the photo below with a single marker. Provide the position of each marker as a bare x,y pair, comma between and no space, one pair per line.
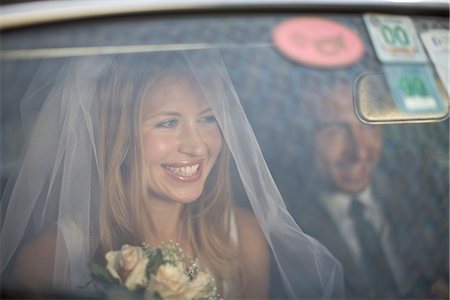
183,171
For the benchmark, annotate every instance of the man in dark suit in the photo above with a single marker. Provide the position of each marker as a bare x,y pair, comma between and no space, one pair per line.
372,221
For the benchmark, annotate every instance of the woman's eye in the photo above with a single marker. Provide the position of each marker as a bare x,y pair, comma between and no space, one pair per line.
167,124
208,119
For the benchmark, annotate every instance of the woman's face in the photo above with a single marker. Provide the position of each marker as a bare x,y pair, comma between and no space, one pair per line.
181,140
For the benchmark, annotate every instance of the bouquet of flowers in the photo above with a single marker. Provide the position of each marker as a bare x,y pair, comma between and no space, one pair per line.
165,272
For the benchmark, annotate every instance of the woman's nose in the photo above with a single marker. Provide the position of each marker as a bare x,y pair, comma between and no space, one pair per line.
191,142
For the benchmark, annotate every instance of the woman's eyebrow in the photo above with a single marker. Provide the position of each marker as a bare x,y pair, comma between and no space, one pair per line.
206,110
174,113
164,113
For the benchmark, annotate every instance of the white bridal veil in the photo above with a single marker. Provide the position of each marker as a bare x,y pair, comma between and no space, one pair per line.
57,181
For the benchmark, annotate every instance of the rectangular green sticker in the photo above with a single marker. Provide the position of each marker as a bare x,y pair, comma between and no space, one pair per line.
414,88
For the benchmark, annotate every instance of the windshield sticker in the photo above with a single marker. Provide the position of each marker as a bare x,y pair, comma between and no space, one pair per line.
318,42
438,47
394,39
414,88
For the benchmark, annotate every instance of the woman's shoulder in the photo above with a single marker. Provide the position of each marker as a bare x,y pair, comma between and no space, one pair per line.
246,221
251,238
254,253
34,266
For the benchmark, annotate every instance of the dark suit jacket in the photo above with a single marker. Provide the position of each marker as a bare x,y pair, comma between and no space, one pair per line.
316,221
420,237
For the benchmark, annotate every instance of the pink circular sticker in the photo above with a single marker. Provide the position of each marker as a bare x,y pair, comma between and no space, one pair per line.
318,42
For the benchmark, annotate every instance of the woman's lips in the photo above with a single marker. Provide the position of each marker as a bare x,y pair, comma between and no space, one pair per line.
185,172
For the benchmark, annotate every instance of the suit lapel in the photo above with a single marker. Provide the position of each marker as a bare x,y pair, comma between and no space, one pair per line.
318,223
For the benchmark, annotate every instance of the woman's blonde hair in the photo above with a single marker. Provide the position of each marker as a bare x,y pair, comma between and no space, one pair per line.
122,212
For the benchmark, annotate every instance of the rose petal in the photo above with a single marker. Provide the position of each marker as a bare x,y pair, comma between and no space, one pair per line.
112,263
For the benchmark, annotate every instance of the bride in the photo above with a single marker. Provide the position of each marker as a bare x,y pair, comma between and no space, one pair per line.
133,149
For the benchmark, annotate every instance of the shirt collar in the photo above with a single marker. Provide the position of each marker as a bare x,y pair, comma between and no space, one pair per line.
337,203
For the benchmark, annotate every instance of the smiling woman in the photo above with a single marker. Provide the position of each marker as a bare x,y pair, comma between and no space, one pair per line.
144,142
181,140
150,191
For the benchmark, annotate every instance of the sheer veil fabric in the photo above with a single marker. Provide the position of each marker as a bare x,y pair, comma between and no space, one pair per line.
57,181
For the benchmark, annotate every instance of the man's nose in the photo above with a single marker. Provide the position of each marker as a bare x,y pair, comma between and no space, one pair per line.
360,143
191,142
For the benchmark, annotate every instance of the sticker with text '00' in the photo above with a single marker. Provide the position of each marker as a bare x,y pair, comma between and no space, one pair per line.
414,88
395,39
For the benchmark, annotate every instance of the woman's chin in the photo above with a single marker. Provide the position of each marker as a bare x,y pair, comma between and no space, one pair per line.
187,198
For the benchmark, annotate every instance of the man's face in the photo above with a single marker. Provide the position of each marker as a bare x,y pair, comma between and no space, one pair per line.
346,150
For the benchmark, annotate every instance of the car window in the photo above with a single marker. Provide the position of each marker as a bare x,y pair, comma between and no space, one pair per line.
312,119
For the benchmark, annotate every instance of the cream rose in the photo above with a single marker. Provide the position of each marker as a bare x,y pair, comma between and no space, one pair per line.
170,281
128,265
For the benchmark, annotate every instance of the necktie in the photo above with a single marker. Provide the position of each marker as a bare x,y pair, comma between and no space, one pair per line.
380,280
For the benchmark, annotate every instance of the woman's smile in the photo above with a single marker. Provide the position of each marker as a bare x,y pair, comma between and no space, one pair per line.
187,172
